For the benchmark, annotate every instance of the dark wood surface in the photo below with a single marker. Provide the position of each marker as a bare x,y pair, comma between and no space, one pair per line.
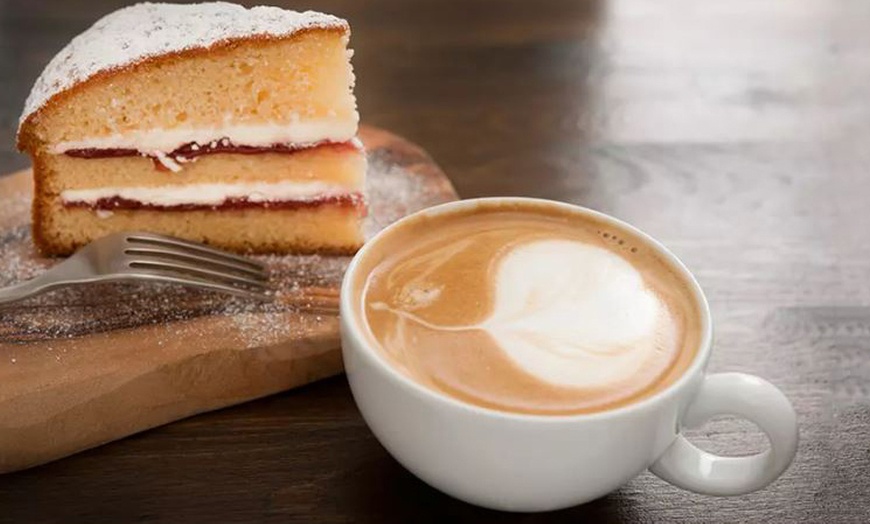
736,132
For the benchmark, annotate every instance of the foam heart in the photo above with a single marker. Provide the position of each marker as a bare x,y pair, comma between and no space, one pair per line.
573,314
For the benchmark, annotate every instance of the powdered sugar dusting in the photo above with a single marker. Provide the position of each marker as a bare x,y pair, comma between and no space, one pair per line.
391,197
146,30
19,260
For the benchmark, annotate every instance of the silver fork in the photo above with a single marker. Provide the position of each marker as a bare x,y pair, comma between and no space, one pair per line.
148,257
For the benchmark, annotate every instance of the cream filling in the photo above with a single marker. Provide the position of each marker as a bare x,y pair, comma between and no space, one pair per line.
209,194
155,141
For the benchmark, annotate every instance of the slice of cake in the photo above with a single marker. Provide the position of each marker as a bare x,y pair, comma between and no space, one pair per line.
211,122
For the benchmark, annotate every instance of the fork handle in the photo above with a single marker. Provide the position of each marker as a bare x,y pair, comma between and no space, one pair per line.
28,288
74,270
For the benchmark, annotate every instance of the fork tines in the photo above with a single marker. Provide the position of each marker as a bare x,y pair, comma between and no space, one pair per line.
184,262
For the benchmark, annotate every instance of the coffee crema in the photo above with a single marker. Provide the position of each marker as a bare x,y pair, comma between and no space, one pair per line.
528,308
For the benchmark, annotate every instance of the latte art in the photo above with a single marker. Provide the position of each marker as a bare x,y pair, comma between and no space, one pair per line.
573,314
527,311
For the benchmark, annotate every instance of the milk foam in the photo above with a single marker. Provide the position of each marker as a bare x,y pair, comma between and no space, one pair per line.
529,309
573,314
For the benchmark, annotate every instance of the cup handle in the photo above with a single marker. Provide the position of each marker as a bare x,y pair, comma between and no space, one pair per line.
685,465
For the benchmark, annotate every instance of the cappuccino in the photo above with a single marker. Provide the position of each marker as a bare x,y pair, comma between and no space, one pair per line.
528,308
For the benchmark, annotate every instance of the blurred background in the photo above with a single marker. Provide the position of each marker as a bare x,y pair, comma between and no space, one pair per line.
736,132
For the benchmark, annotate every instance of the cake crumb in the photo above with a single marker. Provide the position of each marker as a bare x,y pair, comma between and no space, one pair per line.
135,33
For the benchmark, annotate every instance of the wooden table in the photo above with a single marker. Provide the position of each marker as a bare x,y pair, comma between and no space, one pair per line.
736,132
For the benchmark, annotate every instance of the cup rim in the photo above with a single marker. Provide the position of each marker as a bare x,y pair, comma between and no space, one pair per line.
364,345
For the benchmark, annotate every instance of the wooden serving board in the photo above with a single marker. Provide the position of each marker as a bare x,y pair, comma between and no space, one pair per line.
83,366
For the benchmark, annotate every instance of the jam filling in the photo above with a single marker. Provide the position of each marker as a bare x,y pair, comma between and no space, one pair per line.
190,151
349,201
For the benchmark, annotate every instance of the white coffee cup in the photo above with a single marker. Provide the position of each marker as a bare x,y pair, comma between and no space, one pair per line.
519,462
